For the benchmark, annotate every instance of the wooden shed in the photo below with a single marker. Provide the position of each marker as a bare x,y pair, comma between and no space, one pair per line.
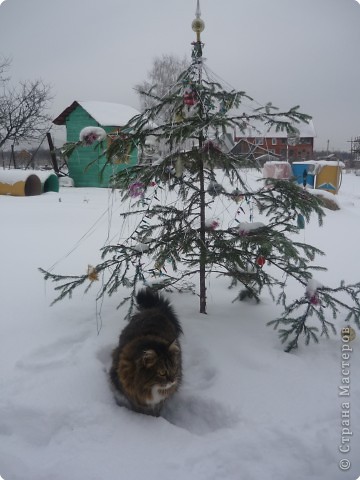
86,164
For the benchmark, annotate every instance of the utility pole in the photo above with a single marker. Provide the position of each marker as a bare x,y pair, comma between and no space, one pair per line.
52,153
12,158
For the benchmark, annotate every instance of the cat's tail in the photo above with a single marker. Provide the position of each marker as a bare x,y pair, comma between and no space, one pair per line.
148,298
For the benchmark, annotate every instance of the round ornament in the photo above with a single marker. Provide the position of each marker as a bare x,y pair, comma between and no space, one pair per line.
136,189
179,167
261,260
189,97
314,299
90,135
198,25
300,221
179,117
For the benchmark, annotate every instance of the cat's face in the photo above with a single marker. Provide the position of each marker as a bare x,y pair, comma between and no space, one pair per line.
161,366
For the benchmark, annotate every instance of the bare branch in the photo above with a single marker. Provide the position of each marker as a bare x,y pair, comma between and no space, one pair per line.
23,109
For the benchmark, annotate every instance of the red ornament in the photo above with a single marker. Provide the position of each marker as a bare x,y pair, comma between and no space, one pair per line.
261,261
189,97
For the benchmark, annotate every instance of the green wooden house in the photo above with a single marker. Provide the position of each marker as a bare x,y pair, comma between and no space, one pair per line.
86,164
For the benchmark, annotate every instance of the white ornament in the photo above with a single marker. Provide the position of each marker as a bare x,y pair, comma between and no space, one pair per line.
90,135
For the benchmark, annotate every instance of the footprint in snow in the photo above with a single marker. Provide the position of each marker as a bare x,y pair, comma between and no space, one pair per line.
31,425
56,354
199,373
103,354
198,415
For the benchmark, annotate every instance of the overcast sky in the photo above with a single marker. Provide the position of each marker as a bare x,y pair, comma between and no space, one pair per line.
303,52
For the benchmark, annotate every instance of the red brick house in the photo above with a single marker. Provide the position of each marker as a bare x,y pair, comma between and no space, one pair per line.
258,140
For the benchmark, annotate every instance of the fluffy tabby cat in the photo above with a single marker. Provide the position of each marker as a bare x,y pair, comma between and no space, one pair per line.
146,367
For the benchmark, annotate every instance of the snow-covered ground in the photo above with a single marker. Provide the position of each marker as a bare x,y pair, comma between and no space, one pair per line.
246,410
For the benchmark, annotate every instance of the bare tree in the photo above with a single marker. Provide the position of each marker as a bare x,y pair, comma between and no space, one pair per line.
23,108
162,78
4,65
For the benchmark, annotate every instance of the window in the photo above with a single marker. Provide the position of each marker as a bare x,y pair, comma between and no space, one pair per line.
273,141
259,141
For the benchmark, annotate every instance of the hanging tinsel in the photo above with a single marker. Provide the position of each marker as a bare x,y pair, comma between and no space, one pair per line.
197,50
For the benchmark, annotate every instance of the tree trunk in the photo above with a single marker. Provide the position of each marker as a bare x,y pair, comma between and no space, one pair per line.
203,250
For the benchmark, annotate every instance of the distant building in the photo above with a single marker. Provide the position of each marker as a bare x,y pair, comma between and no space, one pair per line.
87,164
259,140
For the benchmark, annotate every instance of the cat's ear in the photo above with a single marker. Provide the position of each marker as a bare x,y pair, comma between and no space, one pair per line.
174,347
149,358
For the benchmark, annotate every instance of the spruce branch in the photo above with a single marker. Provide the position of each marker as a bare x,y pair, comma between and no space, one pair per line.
293,326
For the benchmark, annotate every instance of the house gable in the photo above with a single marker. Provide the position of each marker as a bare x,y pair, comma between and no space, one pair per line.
87,164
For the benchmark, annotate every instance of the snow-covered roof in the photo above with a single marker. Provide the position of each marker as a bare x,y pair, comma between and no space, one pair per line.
322,163
106,114
259,129
16,175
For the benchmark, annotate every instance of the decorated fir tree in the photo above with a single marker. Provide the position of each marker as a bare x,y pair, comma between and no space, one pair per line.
184,197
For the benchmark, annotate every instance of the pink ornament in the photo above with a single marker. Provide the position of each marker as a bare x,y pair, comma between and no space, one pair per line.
214,224
90,138
136,189
314,299
312,291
